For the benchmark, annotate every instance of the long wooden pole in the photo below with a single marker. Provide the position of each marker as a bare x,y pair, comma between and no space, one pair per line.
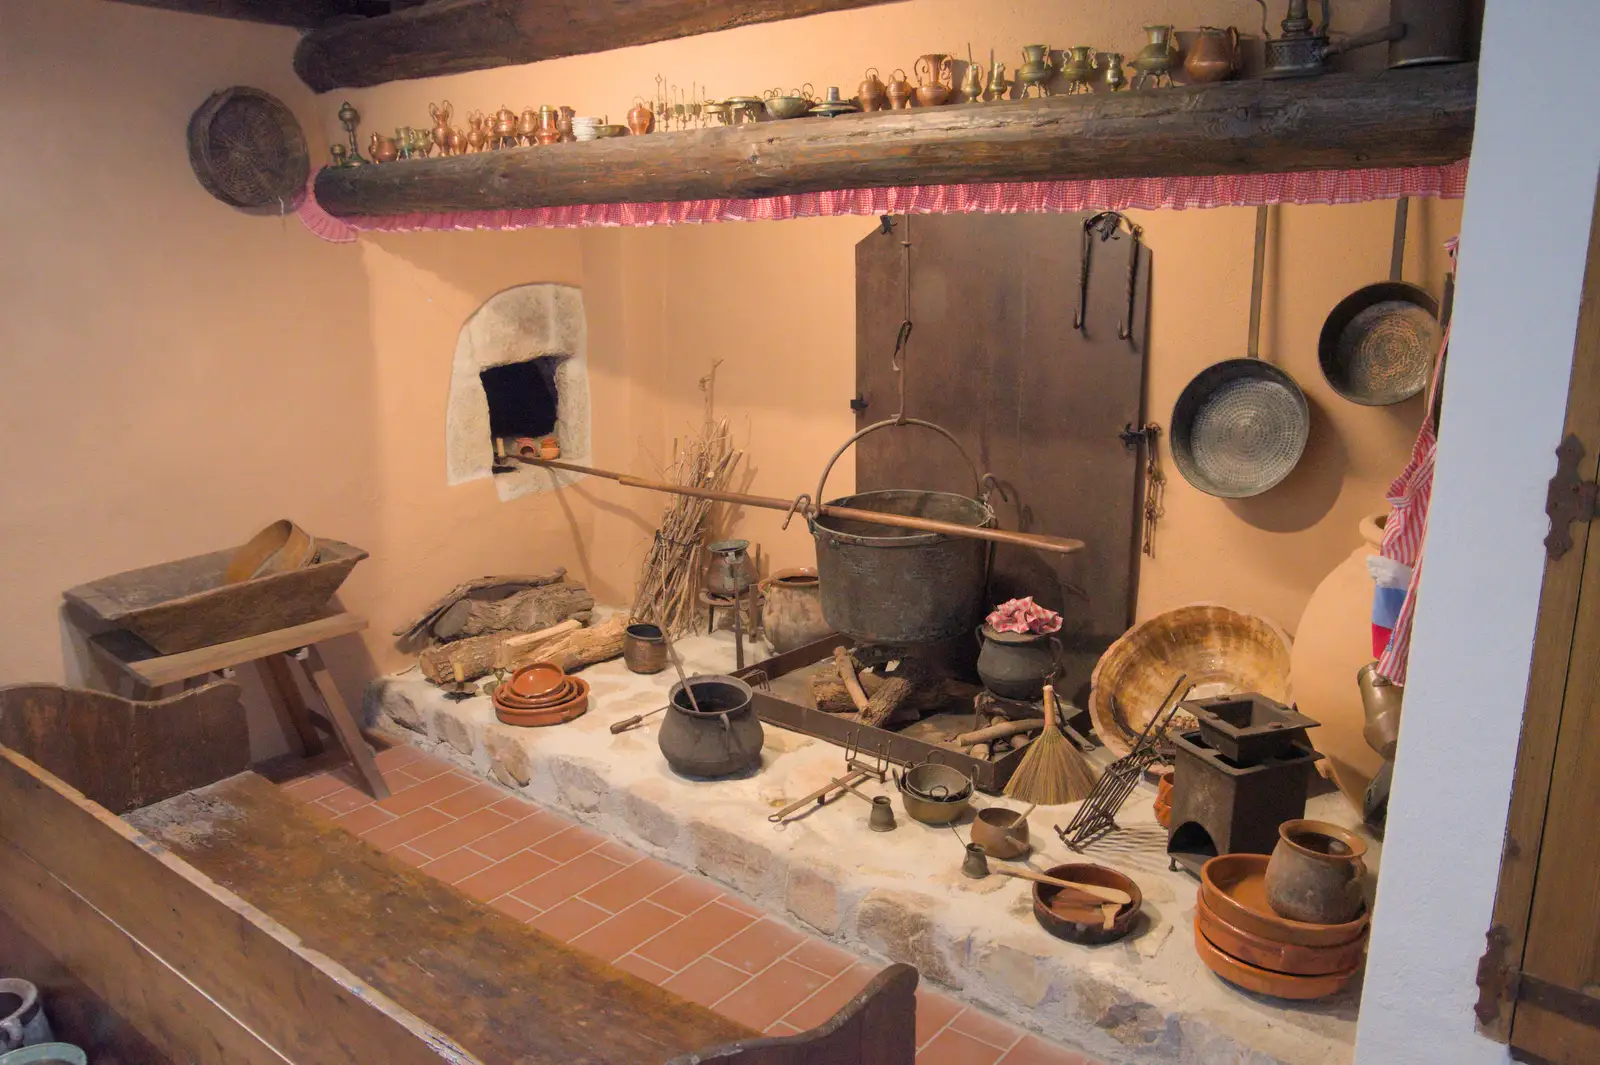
1060,545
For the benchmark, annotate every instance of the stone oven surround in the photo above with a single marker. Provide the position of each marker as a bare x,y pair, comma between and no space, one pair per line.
519,325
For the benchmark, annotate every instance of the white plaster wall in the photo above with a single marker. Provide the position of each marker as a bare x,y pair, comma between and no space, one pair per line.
1524,236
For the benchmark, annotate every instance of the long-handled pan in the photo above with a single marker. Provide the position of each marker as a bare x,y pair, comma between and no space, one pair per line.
1240,426
1379,343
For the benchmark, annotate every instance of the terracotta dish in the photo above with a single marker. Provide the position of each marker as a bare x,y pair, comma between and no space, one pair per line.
279,548
1078,918
533,681
1222,650
552,715
568,689
1234,887
1276,956
1265,981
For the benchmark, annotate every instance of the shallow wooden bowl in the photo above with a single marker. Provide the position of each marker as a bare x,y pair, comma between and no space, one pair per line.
1264,981
1084,922
1234,887
1274,955
553,715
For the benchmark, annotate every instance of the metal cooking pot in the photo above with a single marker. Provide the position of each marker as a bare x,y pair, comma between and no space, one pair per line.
899,586
1240,427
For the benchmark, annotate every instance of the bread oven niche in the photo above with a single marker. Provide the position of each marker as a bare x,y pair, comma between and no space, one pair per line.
520,370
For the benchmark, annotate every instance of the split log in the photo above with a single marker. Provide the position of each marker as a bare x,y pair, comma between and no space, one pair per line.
1000,731
487,587
847,676
478,656
525,611
899,688
980,752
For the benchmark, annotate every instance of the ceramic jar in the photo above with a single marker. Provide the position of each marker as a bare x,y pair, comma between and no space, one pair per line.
791,609
1016,665
722,739
23,1023
1332,642
644,648
1316,874
1214,56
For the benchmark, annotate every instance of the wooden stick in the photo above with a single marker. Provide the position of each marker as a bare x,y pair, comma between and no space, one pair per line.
1104,894
1061,545
847,676
1000,731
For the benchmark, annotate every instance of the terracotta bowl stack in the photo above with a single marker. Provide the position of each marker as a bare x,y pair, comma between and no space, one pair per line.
1242,940
540,694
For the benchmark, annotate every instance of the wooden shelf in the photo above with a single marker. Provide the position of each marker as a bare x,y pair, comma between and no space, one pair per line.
1397,118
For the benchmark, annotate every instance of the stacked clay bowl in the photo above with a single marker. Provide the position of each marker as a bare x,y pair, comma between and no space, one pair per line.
540,694
1242,940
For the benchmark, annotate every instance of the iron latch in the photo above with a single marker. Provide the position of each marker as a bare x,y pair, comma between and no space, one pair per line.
859,403
1569,498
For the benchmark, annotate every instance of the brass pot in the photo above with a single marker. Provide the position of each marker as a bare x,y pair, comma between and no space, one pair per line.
644,648
872,92
1214,56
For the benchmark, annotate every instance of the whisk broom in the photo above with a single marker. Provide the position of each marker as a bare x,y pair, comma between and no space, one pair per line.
1053,771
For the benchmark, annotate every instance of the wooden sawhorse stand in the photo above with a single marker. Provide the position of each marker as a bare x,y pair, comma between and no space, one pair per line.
142,672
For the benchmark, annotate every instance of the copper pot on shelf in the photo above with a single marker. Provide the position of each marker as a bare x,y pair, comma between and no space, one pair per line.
548,132
872,92
935,78
1214,56
564,117
440,113
640,119
898,90
477,134
527,126
505,128
383,149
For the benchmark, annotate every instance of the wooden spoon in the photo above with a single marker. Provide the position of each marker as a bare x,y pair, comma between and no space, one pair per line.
1104,894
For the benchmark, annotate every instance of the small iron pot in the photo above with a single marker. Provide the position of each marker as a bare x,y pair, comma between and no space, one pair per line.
721,739
644,648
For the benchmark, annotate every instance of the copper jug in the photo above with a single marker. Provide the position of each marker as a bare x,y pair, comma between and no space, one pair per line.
1112,63
458,143
477,135
548,132
898,90
972,85
1214,56
935,79
641,118
504,134
440,113
383,149
871,91
564,116
527,126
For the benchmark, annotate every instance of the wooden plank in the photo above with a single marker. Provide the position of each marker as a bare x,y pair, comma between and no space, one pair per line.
129,655
1552,657
167,1010
290,706
1396,118
251,966
508,992
452,36
344,726
302,14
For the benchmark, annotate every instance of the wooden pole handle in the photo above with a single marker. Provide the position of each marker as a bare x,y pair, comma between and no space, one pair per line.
1104,894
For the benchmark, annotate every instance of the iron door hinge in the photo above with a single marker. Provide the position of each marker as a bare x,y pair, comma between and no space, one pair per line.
1569,498
1497,981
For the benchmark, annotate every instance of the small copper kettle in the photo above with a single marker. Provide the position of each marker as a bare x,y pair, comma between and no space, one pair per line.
871,91
504,134
898,90
640,118
527,126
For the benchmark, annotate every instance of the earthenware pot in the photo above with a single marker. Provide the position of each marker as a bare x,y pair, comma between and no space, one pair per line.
1015,665
791,609
1316,874
1214,56
22,1019
721,739
644,648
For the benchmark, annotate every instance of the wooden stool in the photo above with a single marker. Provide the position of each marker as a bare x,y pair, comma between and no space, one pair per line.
142,672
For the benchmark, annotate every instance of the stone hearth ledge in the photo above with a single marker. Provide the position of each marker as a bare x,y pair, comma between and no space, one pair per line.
899,895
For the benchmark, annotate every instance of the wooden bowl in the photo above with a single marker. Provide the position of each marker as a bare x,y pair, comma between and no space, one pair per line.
1264,981
1222,650
997,831
1084,922
536,680
1234,887
279,548
1273,955
553,715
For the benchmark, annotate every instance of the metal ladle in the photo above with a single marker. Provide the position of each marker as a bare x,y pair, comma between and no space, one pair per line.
672,653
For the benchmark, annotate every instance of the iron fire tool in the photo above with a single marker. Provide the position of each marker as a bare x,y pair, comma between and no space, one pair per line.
1097,816
857,772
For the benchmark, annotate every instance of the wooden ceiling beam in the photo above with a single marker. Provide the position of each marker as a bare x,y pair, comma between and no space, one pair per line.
302,14
453,36
1398,118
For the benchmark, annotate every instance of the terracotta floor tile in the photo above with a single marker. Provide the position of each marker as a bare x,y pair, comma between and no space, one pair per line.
364,819
644,970
618,853
950,1047
415,858
991,1030
455,866
705,930
515,908
825,959
399,780
314,787
1035,1051
469,829
686,894
735,903
429,791
779,1028
519,835
471,800
772,994
569,920
405,828
514,808
397,757
565,846
706,981
758,946
427,767
612,939
631,884
831,998
934,1011
505,876
565,881
344,799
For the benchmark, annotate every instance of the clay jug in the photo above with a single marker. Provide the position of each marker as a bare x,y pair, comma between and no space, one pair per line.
723,738
1016,665
791,609
1316,874
641,118
1331,644
1213,56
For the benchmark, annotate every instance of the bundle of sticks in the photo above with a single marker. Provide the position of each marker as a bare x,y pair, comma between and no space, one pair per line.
668,584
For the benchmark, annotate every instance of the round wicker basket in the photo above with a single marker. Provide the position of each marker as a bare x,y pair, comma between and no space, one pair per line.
247,149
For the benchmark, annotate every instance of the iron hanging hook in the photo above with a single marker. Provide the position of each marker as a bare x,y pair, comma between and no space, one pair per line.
802,505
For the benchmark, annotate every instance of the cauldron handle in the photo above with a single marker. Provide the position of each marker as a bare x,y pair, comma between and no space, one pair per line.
977,479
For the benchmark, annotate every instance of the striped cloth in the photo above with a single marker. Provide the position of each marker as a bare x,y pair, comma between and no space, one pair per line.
1407,528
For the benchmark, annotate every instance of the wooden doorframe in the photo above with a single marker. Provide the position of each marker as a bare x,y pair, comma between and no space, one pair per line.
1547,686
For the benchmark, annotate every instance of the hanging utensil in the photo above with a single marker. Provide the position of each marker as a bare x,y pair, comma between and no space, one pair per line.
1379,342
1240,427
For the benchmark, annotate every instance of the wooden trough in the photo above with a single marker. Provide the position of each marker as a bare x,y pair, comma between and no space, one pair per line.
221,923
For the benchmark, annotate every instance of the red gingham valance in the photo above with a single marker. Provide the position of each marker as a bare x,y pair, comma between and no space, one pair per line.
1243,190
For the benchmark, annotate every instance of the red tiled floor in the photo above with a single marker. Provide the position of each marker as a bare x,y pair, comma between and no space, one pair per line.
426,768
631,884
831,998
686,895
314,787
470,800
469,829
778,1028
706,981
515,808
934,1011
566,881
612,939
758,946
695,935
515,908
394,758
983,1027
343,799
456,866
827,960
430,791
535,828
364,819
506,876
406,854
569,920
567,845
771,994
405,828
645,970
950,1047
1035,1051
